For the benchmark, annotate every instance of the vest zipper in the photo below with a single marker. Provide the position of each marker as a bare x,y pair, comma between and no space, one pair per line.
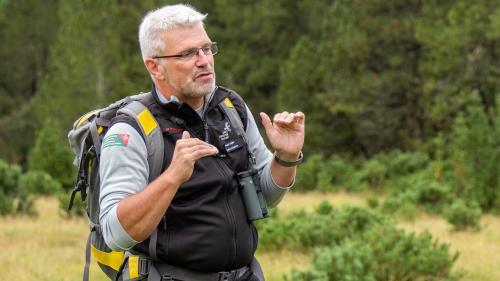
205,128
230,216
204,115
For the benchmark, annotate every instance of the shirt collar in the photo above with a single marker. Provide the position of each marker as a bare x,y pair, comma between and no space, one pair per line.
164,100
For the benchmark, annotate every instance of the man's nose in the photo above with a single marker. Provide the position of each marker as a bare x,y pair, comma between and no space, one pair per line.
201,58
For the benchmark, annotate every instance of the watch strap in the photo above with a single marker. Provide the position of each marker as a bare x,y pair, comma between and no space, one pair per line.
286,163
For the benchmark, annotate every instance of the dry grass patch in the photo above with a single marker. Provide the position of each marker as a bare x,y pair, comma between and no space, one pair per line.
276,264
295,201
48,247
479,250
51,247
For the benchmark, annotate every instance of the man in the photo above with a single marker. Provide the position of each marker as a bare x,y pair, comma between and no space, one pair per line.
195,205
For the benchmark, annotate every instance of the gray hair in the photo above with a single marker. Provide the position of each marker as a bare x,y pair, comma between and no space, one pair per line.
156,22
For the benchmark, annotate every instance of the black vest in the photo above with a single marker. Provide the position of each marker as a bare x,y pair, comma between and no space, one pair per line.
205,227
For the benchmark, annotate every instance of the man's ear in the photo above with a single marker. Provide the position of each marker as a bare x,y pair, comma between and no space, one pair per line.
154,68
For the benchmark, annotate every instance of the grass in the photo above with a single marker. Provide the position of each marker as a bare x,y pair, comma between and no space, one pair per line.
479,251
44,248
51,247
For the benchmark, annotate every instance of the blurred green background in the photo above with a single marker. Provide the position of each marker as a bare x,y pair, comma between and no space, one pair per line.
402,99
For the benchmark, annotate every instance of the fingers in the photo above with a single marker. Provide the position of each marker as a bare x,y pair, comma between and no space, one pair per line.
289,118
266,121
281,117
198,152
193,148
300,117
199,149
187,151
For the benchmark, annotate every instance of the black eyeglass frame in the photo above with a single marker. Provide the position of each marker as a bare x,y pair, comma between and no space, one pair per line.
189,53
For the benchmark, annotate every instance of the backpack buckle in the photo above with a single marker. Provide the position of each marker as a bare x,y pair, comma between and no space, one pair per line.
227,275
144,266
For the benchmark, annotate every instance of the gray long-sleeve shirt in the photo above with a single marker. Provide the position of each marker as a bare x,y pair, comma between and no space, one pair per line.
124,171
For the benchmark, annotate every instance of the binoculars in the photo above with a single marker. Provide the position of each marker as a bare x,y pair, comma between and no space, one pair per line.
253,198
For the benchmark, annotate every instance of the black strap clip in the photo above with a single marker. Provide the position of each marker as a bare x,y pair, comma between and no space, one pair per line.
144,266
227,275
80,186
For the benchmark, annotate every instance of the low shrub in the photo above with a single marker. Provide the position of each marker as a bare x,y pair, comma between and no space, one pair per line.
324,208
6,204
401,204
38,182
371,175
366,246
318,173
433,196
372,202
30,186
78,205
307,175
418,190
26,204
404,163
337,172
9,176
463,215
352,260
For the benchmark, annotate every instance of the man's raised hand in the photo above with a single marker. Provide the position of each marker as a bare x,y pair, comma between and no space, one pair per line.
285,133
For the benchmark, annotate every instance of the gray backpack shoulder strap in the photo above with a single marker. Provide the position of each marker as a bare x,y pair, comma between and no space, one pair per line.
153,137
234,117
151,132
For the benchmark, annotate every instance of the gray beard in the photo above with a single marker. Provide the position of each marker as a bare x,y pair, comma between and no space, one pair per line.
190,90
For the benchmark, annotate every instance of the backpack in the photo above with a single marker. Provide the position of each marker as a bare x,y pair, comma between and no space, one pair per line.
86,138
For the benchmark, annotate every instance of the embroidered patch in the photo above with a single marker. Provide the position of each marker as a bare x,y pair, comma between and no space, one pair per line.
115,140
225,133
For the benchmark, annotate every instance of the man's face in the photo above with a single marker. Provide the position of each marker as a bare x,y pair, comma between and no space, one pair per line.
193,77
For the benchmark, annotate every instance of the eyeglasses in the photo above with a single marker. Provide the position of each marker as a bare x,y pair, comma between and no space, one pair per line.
208,49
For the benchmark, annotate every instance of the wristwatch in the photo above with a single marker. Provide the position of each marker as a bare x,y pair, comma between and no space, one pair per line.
289,163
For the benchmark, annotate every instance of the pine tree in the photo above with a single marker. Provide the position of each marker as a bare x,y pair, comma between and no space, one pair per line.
366,58
27,30
86,67
255,38
475,153
460,49
52,154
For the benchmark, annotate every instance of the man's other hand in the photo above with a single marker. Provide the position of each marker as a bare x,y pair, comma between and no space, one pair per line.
285,133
